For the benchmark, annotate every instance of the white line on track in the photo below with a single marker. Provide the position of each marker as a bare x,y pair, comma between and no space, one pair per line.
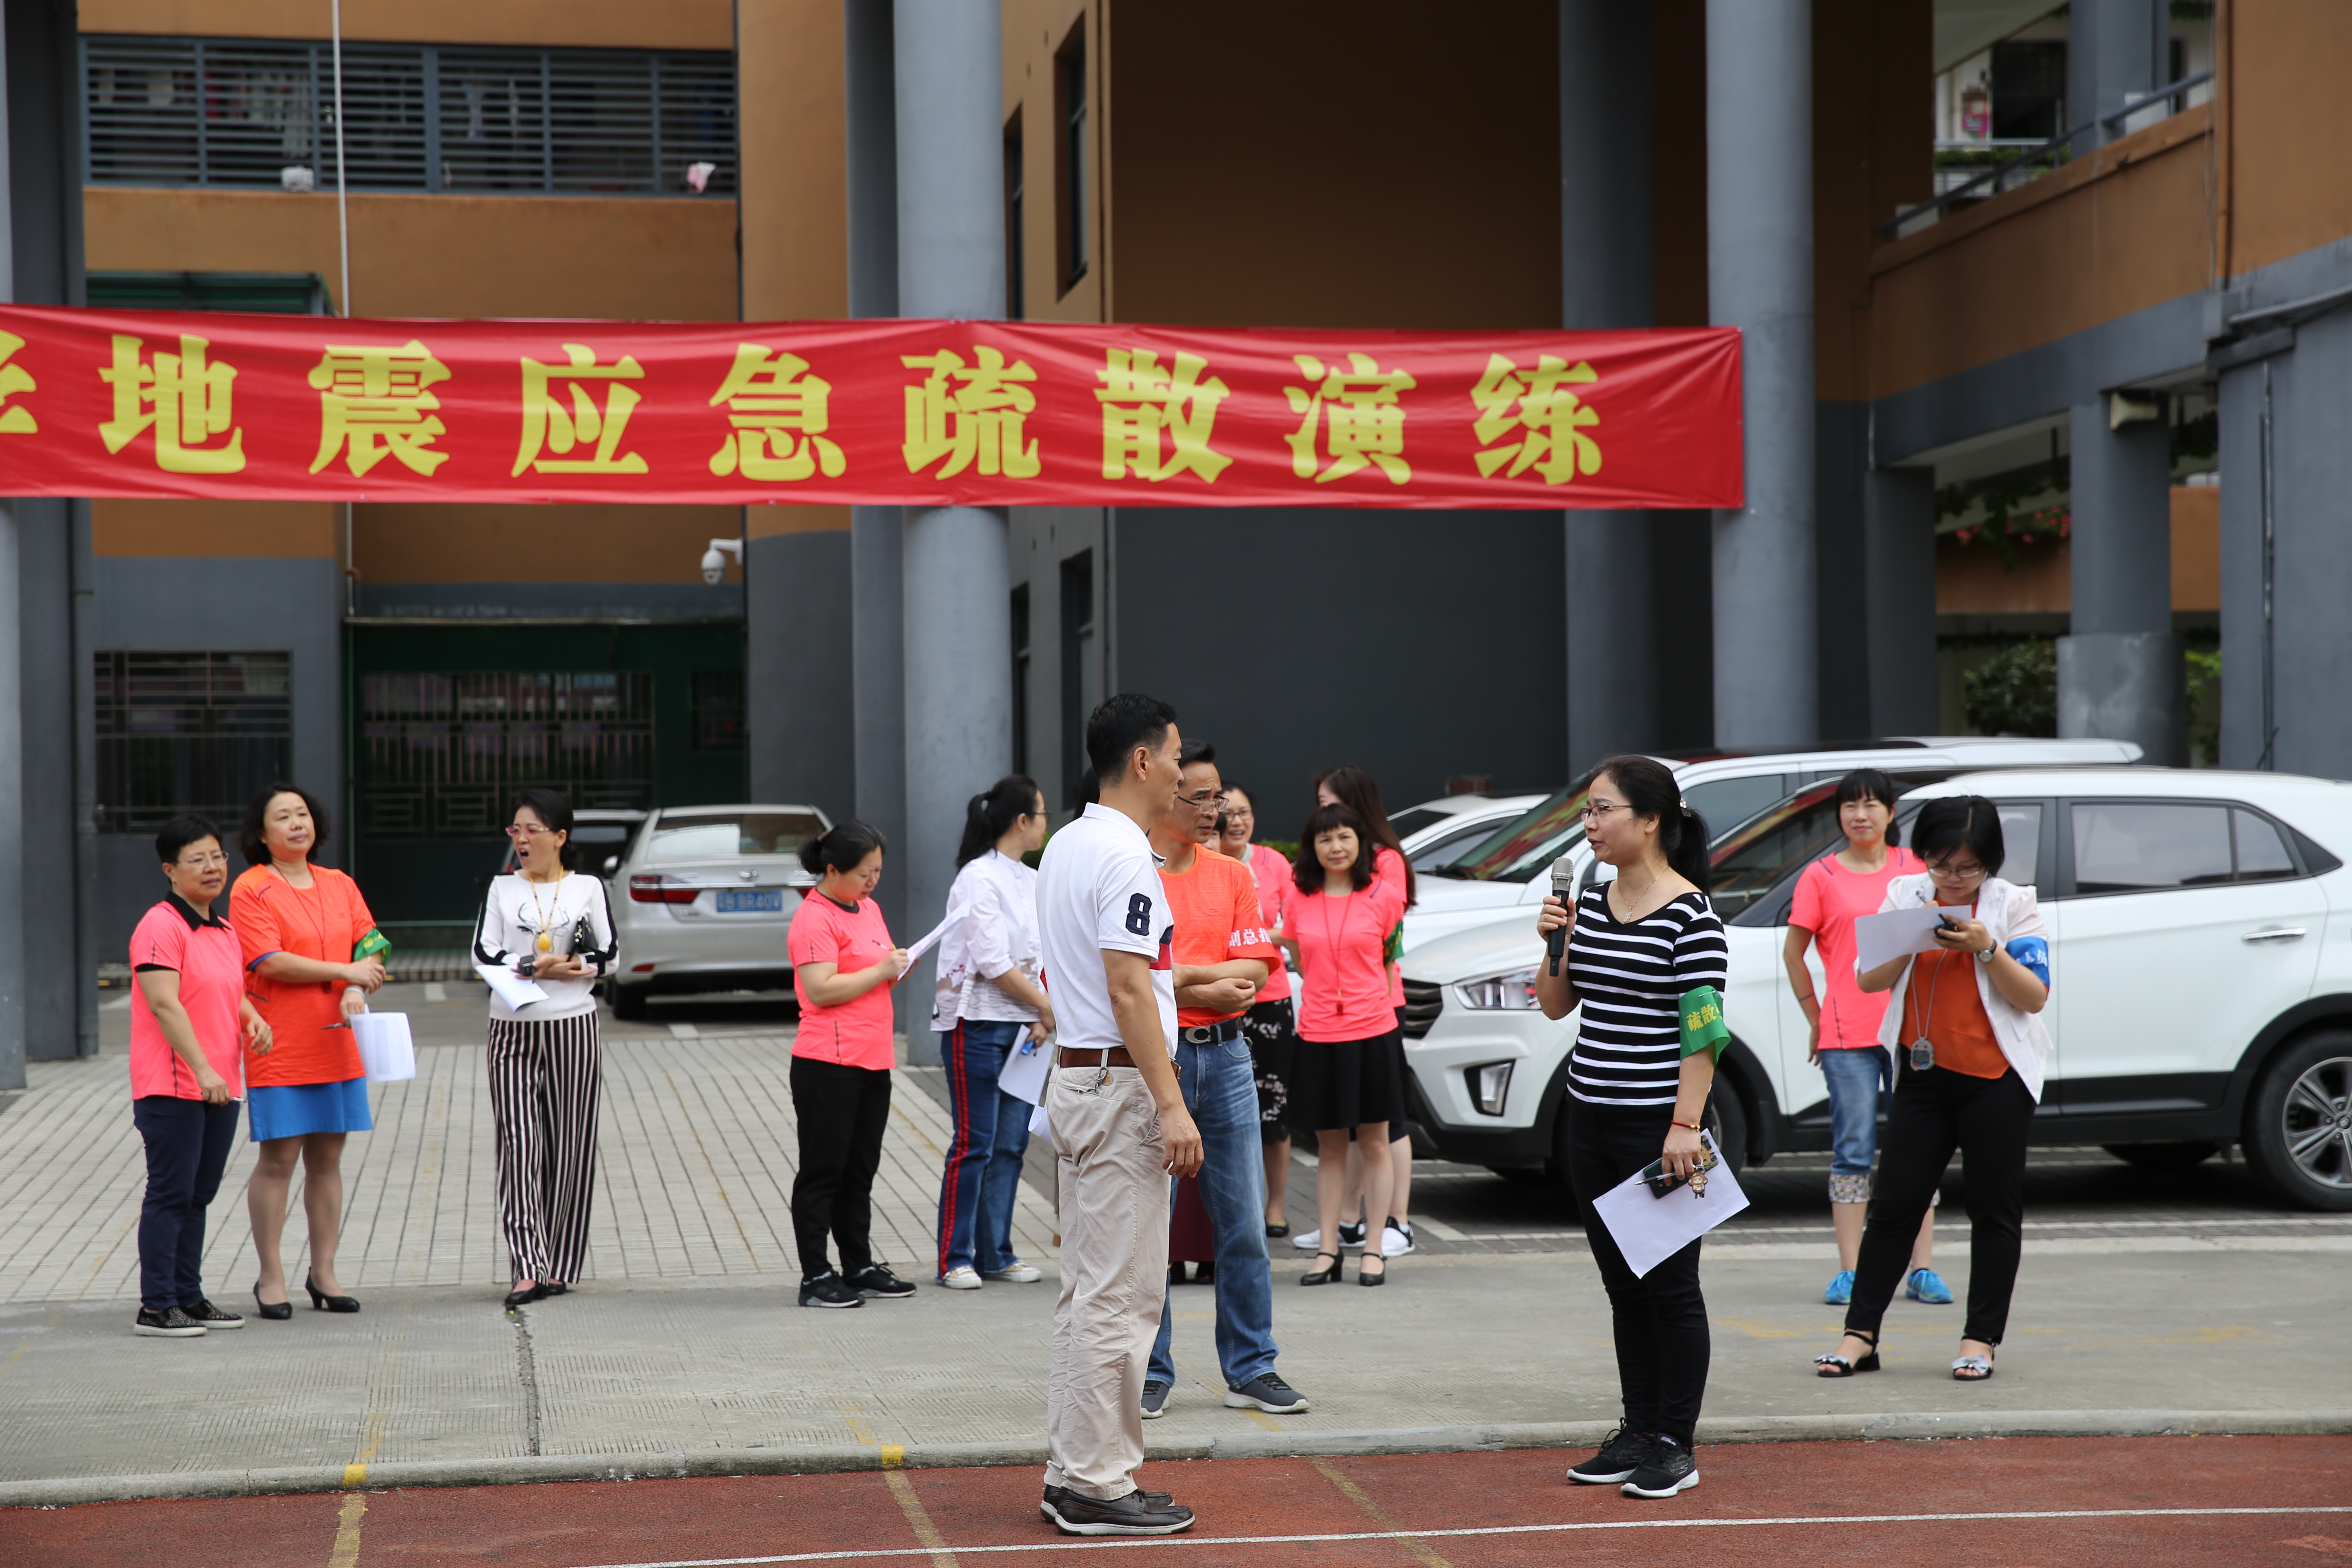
1487,1530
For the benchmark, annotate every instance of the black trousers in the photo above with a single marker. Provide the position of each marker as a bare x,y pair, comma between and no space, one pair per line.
1934,1112
188,1145
1662,1347
843,1111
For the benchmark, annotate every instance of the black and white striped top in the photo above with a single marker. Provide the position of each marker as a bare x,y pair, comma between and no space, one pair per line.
1629,978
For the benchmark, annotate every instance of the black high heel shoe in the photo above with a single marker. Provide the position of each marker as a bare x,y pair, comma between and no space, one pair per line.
276,1311
1364,1279
535,1292
320,1301
1324,1276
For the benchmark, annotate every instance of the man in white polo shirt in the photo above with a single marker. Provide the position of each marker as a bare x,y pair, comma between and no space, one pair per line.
1119,1124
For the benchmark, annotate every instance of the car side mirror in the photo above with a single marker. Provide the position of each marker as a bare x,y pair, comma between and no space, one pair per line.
612,863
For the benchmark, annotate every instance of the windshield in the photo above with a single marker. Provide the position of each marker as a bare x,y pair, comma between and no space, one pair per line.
1750,861
1526,846
679,836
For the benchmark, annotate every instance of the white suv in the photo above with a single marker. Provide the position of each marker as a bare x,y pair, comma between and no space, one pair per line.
2200,930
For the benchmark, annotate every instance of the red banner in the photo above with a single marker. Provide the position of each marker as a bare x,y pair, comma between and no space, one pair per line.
117,402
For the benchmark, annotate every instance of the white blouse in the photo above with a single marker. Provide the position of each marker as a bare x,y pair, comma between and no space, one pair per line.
514,913
992,927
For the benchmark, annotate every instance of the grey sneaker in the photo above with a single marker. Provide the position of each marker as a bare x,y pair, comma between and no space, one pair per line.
1155,1399
1267,1393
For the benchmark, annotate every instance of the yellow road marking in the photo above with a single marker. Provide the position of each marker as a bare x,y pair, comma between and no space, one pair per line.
346,1553
1379,1515
918,1520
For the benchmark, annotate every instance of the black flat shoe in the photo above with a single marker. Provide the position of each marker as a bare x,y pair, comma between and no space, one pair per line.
1324,1276
554,1287
524,1297
322,1302
276,1311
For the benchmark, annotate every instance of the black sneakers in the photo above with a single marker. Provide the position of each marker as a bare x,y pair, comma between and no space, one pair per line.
1155,1399
830,1290
1670,1469
166,1323
1138,1513
875,1281
202,1311
1619,1457
1268,1393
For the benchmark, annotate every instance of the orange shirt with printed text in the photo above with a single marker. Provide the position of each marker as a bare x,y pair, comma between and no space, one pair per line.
1215,906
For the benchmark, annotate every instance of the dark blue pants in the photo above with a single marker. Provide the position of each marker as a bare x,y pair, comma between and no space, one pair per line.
188,1144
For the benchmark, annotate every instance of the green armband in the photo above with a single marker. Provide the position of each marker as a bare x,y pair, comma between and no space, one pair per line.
1703,1026
368,946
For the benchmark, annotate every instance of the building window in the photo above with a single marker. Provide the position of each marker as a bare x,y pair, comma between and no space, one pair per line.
441,755
251,113
198,733
2029,89
1021,678
1015,303
718,710
1081,666
1070,155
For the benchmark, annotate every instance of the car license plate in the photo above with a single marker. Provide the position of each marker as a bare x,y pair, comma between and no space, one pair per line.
752,901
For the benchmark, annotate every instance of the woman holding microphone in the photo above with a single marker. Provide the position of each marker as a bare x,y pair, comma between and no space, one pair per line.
991,998
1636,946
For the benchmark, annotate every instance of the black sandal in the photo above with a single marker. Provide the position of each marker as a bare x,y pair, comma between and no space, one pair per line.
1324,1276
1972,1368
1836,1365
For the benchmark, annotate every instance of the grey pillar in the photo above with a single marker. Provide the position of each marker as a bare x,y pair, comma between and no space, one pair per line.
1606,281
2119,671
799,598
1759,278
1898,521
2114,52
958,608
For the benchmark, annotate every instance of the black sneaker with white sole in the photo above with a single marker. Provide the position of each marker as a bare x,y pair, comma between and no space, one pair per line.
166,1323
1351,1237
202,1311
1619,1457
1267,1393
875,1282
1054,1495
829,1289
1155,1399
1138,1513
1670,1469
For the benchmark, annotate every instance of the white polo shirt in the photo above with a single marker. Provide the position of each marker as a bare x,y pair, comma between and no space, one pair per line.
1098,889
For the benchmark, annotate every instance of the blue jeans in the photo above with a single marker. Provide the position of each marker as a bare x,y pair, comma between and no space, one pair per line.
1220,1085
1860,1080
983,1166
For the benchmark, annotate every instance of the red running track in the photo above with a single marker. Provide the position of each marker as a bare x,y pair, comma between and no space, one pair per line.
2181,1503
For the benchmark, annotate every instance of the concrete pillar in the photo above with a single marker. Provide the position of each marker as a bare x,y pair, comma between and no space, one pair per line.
1606,281
1898,519
2114,52
1760,273
2119,671
950,94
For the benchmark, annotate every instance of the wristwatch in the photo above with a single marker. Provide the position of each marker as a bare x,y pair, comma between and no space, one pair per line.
1985,956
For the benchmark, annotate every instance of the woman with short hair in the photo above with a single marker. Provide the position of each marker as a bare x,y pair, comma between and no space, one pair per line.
309,946
990,998
554,925
1964,1022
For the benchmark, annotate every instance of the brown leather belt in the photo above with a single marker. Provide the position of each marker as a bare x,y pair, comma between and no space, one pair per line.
1077,1056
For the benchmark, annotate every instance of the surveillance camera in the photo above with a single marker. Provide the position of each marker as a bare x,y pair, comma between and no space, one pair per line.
714,566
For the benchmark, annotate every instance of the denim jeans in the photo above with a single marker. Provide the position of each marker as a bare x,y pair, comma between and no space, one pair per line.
1859,1079
983,1166
1220,1085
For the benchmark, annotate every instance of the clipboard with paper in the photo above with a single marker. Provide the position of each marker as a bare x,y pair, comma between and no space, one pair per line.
1649,1229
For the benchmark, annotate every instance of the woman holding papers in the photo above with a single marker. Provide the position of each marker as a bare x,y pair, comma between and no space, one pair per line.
544,923
1970,1054
1638,949
990,1002
310,947
1834,891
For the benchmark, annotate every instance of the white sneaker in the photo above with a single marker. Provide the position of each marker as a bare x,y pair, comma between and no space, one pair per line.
1019,1274
1396,1241
963,1276
1351,1239
1305,1240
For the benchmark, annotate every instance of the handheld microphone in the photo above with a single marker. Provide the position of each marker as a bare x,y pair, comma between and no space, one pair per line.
1563,884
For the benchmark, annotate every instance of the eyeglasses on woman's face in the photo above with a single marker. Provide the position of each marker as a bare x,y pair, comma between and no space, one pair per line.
1950,869
1592,811
521,832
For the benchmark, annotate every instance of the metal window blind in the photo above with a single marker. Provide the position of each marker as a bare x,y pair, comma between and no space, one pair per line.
441,755
189,732
243,113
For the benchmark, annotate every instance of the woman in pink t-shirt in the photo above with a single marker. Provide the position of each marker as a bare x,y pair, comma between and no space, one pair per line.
1834,891
844,964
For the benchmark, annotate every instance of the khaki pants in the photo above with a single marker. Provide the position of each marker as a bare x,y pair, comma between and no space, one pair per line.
1114,1215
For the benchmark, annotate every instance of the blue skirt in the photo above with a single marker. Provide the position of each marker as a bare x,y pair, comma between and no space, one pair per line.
291,1110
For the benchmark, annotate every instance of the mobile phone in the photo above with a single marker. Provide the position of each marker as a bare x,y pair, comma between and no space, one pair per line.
1948,923
1661,1184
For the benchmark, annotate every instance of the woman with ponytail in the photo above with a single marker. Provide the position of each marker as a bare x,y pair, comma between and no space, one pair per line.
1639,948
990,1002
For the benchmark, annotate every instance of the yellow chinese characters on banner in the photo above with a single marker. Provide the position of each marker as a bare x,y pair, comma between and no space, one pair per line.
376,401
1142,399
1549,419
777,416
184,399
1353,415
969,413
13,379
547,424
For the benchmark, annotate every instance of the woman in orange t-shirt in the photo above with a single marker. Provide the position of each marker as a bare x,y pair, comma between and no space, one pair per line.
299,924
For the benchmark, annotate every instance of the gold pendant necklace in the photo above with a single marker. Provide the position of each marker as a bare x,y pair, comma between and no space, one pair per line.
546,920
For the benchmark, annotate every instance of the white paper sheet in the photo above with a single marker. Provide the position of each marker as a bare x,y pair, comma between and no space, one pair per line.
1024,1076
1877,938
927,941
387,1050
512,988
1039,1127
1649,1229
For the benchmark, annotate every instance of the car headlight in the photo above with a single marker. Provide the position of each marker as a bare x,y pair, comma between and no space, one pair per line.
1515,990
1490,1085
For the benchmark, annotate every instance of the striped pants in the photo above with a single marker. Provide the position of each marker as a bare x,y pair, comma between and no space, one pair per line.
545,1077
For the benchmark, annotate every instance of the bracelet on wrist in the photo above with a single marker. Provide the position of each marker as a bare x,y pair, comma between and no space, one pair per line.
1679,1122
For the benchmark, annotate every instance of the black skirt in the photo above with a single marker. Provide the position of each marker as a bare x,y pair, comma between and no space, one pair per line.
1274,1046
1345,1083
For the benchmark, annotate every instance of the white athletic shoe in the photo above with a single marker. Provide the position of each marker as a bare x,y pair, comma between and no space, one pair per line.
1019,1274
963,1276
1396,1240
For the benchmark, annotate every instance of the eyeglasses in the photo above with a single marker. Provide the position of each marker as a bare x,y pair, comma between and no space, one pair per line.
1202,801
1593,809
1951,873
198,862
525,830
